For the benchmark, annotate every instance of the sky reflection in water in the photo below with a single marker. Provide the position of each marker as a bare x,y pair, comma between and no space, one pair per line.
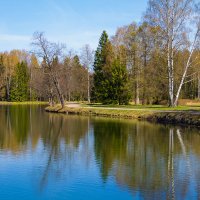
50,156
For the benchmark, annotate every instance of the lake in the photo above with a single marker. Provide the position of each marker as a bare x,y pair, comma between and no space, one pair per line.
55,156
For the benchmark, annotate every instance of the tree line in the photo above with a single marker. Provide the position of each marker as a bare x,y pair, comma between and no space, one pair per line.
152,62
24,77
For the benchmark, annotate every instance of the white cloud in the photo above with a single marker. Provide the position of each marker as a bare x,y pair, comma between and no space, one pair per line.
9,42
14,38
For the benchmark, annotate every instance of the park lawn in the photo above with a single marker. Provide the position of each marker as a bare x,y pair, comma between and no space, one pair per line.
145,107
185,115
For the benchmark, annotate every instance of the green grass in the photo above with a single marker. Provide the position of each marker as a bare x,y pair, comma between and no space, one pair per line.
151,113
100,112
145,107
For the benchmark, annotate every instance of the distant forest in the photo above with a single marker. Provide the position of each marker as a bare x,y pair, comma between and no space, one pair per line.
155,61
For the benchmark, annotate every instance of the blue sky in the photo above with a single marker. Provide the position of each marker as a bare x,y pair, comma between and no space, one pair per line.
73,22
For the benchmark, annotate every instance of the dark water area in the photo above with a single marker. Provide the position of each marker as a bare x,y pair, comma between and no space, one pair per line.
55,156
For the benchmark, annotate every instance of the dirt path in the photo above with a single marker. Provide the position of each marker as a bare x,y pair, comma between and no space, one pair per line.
73,105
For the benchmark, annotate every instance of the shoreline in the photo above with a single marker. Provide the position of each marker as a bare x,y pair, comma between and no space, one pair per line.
23,103
191,118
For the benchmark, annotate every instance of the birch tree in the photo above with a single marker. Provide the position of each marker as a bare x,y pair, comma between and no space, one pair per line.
87,57
10,63
173,18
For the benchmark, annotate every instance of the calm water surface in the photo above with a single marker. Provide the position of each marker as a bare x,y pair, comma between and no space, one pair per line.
50,156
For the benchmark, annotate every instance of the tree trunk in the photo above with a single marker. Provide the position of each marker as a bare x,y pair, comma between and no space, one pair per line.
170,74
199,86
88,85
186,68
30,85
185,72
69,96
7,89
51,101
137,93
136,77
60,95
144,75
61,98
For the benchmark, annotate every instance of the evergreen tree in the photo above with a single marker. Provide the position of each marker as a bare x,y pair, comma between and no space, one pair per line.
120,88
77,61
102,66
99,62
20,83
110,75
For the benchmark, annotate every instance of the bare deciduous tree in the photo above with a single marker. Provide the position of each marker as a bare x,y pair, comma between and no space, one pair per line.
87,58
49,52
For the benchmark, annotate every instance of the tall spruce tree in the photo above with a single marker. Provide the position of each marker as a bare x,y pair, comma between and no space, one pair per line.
110,75
119,81
99,63
20,83
102,66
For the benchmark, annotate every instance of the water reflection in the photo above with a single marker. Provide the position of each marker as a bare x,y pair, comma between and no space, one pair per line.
137,158
153,159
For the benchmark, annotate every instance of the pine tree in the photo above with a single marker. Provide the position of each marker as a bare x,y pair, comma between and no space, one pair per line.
20,83
110,75
102,66
120,88
99,62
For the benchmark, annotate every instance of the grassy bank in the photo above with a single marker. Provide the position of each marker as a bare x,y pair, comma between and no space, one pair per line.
183,118
146,107
115,113
180,115
23,103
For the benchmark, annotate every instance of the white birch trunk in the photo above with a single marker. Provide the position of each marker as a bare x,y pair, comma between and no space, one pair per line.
88,86
186,69
170,74
137,97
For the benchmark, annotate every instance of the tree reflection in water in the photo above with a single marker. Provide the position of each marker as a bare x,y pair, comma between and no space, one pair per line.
62,141
148,158
155,161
